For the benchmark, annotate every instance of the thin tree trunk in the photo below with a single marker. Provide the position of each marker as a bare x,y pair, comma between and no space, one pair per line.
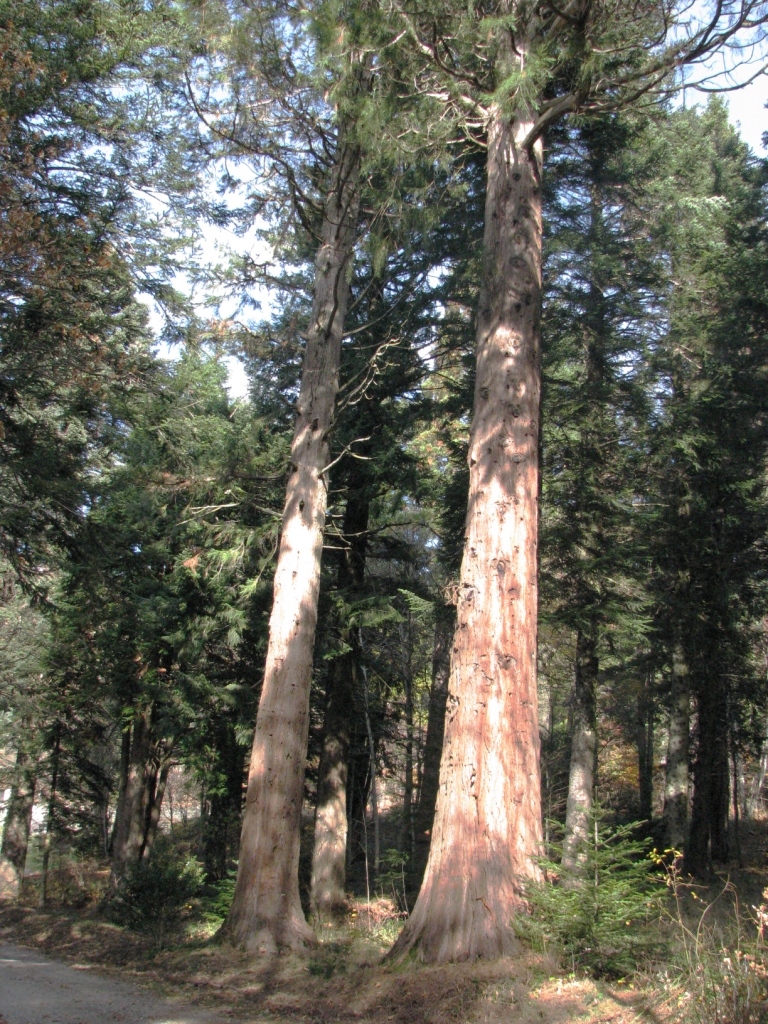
581,776
433,746
50,818
329,855
130,814
222,827
645,748
756,796
125,767
18,817
159,780
358,789
487,830
678,754
372,770
735,784
266,911
407,839
708,836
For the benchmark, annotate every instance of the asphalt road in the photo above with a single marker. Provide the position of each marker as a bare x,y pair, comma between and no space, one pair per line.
36,990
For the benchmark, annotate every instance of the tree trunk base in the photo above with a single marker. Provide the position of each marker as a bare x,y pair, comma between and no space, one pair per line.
458,925
289,934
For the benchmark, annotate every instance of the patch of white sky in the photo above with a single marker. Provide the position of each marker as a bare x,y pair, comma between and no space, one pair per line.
747,109
216,246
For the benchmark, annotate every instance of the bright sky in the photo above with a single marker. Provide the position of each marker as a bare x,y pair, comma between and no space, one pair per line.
747,108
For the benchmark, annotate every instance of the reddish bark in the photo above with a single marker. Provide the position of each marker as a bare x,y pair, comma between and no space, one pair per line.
487,830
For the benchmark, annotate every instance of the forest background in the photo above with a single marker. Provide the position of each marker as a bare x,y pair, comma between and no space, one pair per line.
142,509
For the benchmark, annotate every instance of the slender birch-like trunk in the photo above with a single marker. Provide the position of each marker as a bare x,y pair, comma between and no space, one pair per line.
487,830
266,912
676,780
581,775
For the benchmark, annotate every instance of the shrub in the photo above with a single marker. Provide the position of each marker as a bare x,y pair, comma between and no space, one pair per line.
152,895
218,899
600,923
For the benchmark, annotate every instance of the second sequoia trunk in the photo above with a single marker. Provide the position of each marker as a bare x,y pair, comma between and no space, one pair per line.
487,830
266,911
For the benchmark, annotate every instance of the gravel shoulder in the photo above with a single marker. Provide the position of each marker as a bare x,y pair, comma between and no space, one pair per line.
37,990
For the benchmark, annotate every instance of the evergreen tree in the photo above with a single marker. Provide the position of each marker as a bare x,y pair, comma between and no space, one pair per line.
709,450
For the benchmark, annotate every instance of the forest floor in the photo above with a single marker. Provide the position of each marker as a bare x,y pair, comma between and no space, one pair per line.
343,979
338,983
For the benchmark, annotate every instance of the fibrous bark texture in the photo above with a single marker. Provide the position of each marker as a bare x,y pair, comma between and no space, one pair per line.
266,912
676,781
487,830
581,775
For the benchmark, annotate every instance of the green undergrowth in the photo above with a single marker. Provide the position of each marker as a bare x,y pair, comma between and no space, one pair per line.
604,921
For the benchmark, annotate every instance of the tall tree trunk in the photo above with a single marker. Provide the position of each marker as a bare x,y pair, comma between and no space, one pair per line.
50,818
125,767
708,836
373,790
155,791
487,830
733,743
329,856
433,745
644,745
222,825
678,754
18,817
131,809
407,837
358,788
266,910
755,797
581,776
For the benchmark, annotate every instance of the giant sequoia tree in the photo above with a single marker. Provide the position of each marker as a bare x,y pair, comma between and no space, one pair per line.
537,63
